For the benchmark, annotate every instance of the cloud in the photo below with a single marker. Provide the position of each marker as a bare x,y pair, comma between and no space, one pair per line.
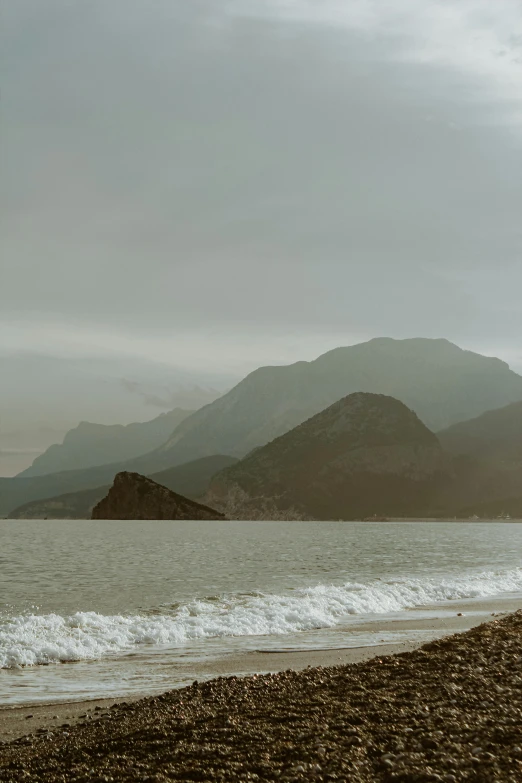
227,184
477,38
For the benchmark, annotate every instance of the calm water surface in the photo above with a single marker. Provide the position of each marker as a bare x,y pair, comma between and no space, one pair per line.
128,600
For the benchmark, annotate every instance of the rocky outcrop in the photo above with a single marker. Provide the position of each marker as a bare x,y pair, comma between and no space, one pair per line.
367,454
191,480
133,496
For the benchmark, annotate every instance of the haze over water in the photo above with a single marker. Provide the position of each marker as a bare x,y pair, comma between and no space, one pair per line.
133,601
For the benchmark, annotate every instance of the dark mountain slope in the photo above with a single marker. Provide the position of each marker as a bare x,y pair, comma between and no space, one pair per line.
487,461
366,454
496,435
191,480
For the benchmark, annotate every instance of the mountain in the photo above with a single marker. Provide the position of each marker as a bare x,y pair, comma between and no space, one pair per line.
495,435
19,445
366,454
191,480
439,381
487,461
88,445
442,383
133,496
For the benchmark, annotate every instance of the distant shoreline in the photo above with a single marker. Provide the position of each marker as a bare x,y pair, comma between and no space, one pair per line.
285,521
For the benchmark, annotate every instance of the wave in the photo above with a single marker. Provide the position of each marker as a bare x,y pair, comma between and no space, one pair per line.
30,639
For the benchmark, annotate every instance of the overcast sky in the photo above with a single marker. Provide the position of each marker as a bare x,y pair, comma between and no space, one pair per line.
226,184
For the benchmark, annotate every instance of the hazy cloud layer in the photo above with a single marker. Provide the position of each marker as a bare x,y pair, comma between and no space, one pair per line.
225,184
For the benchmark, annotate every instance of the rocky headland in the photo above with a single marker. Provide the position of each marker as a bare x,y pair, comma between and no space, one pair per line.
450,711
190,480
133,496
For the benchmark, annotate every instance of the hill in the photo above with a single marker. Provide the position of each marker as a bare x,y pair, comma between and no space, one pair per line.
88,445
366,454
133,496
191,480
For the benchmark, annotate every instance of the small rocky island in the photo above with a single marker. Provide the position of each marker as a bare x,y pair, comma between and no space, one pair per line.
133,496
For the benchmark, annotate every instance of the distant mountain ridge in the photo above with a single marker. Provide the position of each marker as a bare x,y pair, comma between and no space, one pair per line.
44,396
440,382
365,454
89,445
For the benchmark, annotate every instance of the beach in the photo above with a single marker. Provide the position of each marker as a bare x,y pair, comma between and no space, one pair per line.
450,710
16,721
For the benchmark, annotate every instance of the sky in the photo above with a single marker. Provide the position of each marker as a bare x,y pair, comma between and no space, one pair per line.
219,185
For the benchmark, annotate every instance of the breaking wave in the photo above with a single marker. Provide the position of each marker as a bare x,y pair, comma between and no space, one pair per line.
30,639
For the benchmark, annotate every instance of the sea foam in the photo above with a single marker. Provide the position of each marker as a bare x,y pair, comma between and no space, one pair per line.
30,639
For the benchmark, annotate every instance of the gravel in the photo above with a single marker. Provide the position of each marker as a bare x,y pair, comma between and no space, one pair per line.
450,711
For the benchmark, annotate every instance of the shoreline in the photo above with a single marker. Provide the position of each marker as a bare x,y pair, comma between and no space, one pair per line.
448,711
319,521
459,617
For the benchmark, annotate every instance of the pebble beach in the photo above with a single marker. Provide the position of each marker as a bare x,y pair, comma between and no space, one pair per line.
448,711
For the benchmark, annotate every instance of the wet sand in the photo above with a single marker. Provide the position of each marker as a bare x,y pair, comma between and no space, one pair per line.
448,711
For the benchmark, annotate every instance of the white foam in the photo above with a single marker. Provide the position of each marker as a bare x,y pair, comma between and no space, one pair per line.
31,639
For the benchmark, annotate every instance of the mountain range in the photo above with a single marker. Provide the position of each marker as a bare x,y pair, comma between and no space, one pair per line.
441,383
370,455
365,455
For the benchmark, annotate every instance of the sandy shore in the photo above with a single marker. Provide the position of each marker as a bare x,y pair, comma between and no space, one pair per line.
449,711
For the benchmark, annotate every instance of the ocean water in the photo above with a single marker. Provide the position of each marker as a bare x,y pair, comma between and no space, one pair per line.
136,606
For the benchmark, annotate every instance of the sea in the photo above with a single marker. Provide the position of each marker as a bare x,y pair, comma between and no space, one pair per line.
92,609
